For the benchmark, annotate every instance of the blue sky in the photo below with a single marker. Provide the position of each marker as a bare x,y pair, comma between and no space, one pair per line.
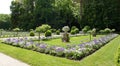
5,6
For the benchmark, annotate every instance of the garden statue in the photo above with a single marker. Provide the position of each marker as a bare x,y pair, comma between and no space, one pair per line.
65,37
94,32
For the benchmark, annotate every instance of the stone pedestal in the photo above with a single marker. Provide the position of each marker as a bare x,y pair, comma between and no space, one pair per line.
65,37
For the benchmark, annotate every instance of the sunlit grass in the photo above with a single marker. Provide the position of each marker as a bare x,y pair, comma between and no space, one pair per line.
73,40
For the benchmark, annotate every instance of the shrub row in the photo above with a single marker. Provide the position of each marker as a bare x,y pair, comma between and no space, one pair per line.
75,52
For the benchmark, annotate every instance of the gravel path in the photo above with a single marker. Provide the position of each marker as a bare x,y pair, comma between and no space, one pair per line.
8,61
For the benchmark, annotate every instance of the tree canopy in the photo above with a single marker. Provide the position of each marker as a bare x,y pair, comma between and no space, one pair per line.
99,14
5,21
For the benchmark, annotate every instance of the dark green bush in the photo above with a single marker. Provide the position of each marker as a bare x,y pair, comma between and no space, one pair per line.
73,27
76,30
53,30
48,33
32,33
86,29
73,32
107,30
58,32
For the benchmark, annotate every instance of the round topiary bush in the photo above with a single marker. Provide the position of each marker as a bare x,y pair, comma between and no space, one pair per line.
73,27
48,33
76,30
72,32
58,32
107,30
32,33
86,29
65,28
53,30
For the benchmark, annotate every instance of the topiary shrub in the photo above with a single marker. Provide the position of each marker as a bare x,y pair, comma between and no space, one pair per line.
102,31
32,33
65,37
73,27
53,30
86,29
48,33
76,30
42,29
72,32
107,30
58,32
113,30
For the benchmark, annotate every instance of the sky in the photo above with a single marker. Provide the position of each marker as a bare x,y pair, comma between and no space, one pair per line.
5,6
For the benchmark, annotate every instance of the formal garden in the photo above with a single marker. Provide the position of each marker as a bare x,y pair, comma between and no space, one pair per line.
62,32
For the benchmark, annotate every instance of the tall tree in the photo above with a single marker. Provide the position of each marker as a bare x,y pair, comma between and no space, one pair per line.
27,16
15,9
5,22
101,14
43,11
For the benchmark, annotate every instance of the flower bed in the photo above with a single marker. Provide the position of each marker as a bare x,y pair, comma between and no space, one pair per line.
75,52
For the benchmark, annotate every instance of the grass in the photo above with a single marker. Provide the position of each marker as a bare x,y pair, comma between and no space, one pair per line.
103,57
73,40
117,57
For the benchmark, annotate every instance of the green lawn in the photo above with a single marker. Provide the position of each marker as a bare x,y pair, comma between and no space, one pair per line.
103,57
73,40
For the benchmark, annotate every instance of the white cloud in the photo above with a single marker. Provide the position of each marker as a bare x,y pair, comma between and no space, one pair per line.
5,6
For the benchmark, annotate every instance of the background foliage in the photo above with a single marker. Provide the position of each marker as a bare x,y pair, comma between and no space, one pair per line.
29,14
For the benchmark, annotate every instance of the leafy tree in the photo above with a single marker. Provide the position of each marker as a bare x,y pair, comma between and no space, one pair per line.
42,29
5,22
46,27
43,12
28,14
39,30
101,14
15,9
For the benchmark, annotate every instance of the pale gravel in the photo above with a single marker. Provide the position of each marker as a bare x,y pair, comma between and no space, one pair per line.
9,61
